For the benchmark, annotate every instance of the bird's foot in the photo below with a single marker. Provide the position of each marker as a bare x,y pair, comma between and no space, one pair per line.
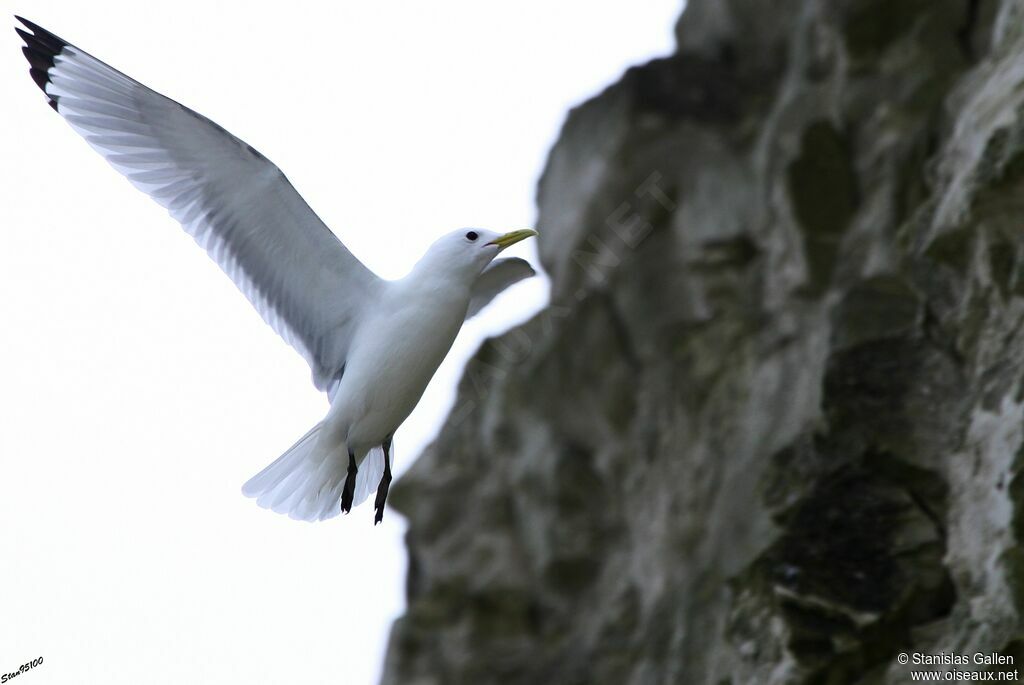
382,497
385,481
349,491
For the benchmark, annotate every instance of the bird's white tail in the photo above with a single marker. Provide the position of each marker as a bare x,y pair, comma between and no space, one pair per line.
306,483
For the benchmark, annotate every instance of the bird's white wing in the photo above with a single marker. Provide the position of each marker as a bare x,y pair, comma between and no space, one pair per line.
500,274
230,198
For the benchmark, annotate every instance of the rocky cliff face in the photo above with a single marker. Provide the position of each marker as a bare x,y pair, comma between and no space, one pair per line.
770,428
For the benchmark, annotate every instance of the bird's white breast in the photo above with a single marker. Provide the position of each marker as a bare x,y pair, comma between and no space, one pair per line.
398,349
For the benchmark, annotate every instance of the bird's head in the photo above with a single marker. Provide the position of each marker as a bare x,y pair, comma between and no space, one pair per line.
470,250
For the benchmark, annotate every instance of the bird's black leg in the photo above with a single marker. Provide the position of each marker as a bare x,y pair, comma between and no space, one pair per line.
350,484
385,481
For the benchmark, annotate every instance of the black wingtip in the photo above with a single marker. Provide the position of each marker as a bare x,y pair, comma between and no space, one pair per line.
38,60
40,35
40,77
41,47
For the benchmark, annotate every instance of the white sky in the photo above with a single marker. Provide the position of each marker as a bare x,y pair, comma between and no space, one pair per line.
138,388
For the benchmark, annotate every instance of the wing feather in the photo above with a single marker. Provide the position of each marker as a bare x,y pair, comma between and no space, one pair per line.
499,274
231,199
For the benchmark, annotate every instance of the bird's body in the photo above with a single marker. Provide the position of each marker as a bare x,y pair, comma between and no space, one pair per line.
372,345
394,356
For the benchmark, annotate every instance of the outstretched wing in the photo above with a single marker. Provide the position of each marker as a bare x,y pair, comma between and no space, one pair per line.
500,274
236,203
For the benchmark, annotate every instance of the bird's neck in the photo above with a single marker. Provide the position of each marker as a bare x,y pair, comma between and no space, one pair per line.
426,282
457,279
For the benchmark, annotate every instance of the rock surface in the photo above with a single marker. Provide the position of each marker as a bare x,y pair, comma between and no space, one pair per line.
770,428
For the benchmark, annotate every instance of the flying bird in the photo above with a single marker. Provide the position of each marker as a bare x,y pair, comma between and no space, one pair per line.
372,344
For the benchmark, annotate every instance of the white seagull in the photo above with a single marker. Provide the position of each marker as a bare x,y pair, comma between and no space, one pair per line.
372,344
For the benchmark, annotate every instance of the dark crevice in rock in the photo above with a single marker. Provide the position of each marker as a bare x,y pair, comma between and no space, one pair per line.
823,190
926,488
871,26
967,35
964,35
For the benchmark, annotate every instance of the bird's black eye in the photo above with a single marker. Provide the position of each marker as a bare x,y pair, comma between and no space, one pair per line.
472,236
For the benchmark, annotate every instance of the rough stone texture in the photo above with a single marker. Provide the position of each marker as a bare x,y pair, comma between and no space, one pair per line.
770,428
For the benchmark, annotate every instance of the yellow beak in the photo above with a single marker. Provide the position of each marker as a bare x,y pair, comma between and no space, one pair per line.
512,238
